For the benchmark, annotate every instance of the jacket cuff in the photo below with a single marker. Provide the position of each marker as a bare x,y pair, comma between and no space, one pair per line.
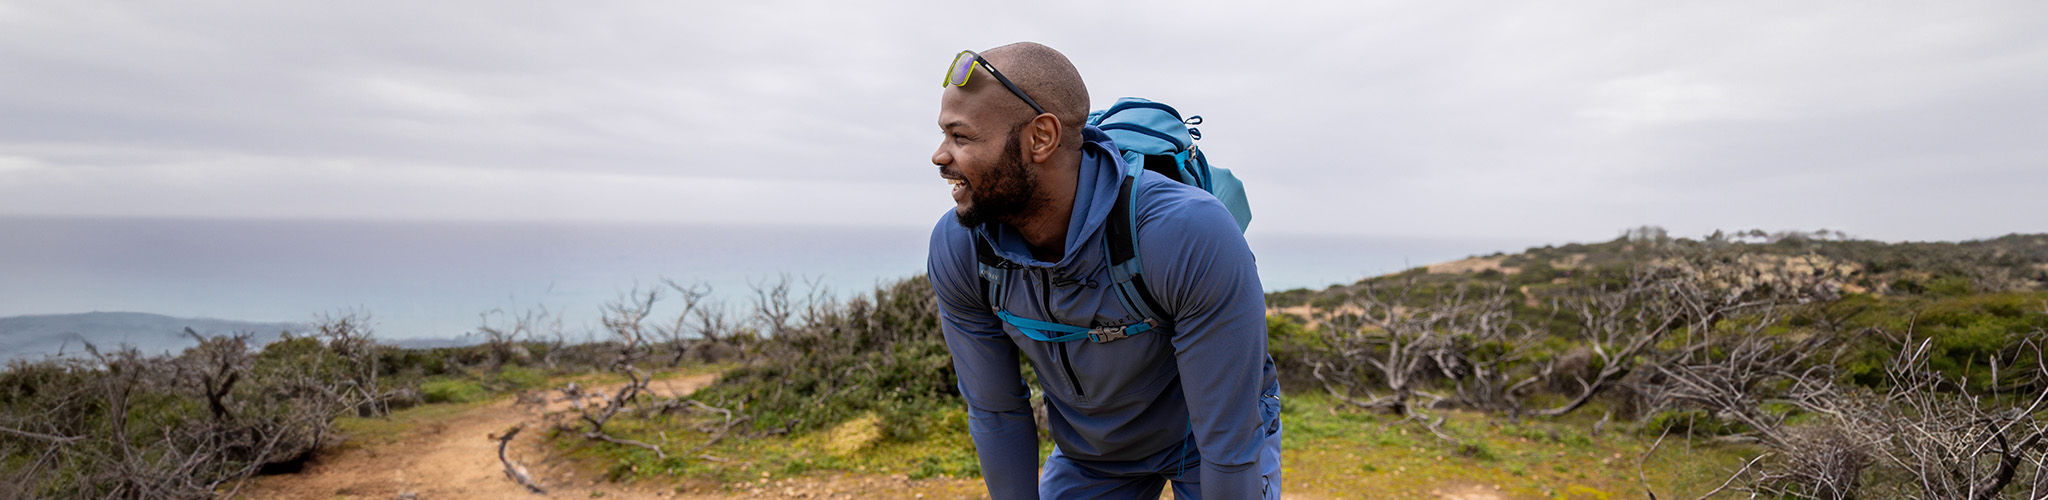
1245,482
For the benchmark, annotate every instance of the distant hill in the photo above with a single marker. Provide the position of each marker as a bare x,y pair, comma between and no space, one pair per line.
2014,262
433,343
39,335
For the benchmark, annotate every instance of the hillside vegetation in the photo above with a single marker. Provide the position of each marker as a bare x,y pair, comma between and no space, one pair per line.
1845,368
1791,365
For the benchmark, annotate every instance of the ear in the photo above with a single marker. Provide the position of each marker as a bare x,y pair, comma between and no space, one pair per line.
1044,133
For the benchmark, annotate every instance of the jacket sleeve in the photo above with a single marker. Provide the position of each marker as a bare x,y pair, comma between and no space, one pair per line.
1205,274
986,362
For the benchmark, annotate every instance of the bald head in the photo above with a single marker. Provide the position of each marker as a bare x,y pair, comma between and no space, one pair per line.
1051,80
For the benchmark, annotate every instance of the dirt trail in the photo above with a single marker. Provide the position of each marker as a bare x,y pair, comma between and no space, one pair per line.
451,458
455,458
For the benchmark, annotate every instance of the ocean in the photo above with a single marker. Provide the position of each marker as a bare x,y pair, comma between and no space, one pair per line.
443,279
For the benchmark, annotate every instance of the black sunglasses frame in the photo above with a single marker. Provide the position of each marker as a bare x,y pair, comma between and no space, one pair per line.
983,62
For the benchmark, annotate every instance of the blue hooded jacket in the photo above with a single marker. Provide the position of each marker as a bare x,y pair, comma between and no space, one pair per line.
1128,406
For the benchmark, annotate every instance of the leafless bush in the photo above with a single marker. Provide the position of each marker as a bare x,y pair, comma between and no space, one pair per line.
550,336
1752,378
625,320
1374,343
1671,312
1465,336
1924,436
772,305
1822,462
1493,351
819,304
350,337
124,425
776,311
1950,442
678,334
505,333
719,334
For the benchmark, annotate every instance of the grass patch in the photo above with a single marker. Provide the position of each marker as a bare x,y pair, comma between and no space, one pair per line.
374,430
453,389
1333,451
860,445
512,378
1330,451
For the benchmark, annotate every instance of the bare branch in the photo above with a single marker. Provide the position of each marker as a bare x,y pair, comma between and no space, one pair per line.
41,436
512,469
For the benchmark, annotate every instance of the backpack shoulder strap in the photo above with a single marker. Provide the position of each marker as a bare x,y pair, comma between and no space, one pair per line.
1125,268
990,268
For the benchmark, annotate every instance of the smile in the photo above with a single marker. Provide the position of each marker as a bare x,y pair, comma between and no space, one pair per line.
959,187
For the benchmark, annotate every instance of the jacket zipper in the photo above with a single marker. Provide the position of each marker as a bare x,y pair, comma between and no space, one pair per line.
1059,350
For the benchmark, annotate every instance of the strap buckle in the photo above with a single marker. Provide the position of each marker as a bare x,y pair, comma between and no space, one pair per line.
1102,334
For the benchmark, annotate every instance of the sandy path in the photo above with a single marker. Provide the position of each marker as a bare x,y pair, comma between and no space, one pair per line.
455,458
452,458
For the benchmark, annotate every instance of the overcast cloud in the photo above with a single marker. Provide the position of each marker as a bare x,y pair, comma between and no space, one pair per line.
1556,120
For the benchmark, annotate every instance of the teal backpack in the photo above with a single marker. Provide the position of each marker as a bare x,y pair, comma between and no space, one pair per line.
1151,136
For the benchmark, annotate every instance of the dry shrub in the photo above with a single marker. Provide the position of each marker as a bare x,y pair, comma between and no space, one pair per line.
1823,462
124,425
835,360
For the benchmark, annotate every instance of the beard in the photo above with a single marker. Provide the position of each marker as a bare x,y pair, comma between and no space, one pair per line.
1009,192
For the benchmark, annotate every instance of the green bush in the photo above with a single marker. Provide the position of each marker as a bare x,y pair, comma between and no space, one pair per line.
880,353
512,378
1536,273
452,390
1950,286
1291,346
1966,332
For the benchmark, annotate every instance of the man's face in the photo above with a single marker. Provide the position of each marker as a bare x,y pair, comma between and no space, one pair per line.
984,162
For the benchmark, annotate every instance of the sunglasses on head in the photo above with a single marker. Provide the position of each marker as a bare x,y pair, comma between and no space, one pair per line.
963,67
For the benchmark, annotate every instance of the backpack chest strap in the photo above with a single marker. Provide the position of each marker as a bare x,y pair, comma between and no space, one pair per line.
1046,331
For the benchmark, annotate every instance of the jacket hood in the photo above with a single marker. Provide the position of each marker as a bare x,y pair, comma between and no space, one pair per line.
1095,193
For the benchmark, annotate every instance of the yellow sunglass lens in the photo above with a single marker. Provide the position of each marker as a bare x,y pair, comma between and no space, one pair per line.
963,67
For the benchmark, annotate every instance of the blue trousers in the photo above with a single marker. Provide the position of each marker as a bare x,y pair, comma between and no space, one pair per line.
1066,478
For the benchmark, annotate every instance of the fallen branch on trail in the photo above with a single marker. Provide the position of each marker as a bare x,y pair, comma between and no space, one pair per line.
722,431
512,469
613,440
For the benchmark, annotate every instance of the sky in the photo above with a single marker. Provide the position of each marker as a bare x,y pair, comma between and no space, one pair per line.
1559,121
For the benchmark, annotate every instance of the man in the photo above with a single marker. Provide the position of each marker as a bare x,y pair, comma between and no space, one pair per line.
1194,400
